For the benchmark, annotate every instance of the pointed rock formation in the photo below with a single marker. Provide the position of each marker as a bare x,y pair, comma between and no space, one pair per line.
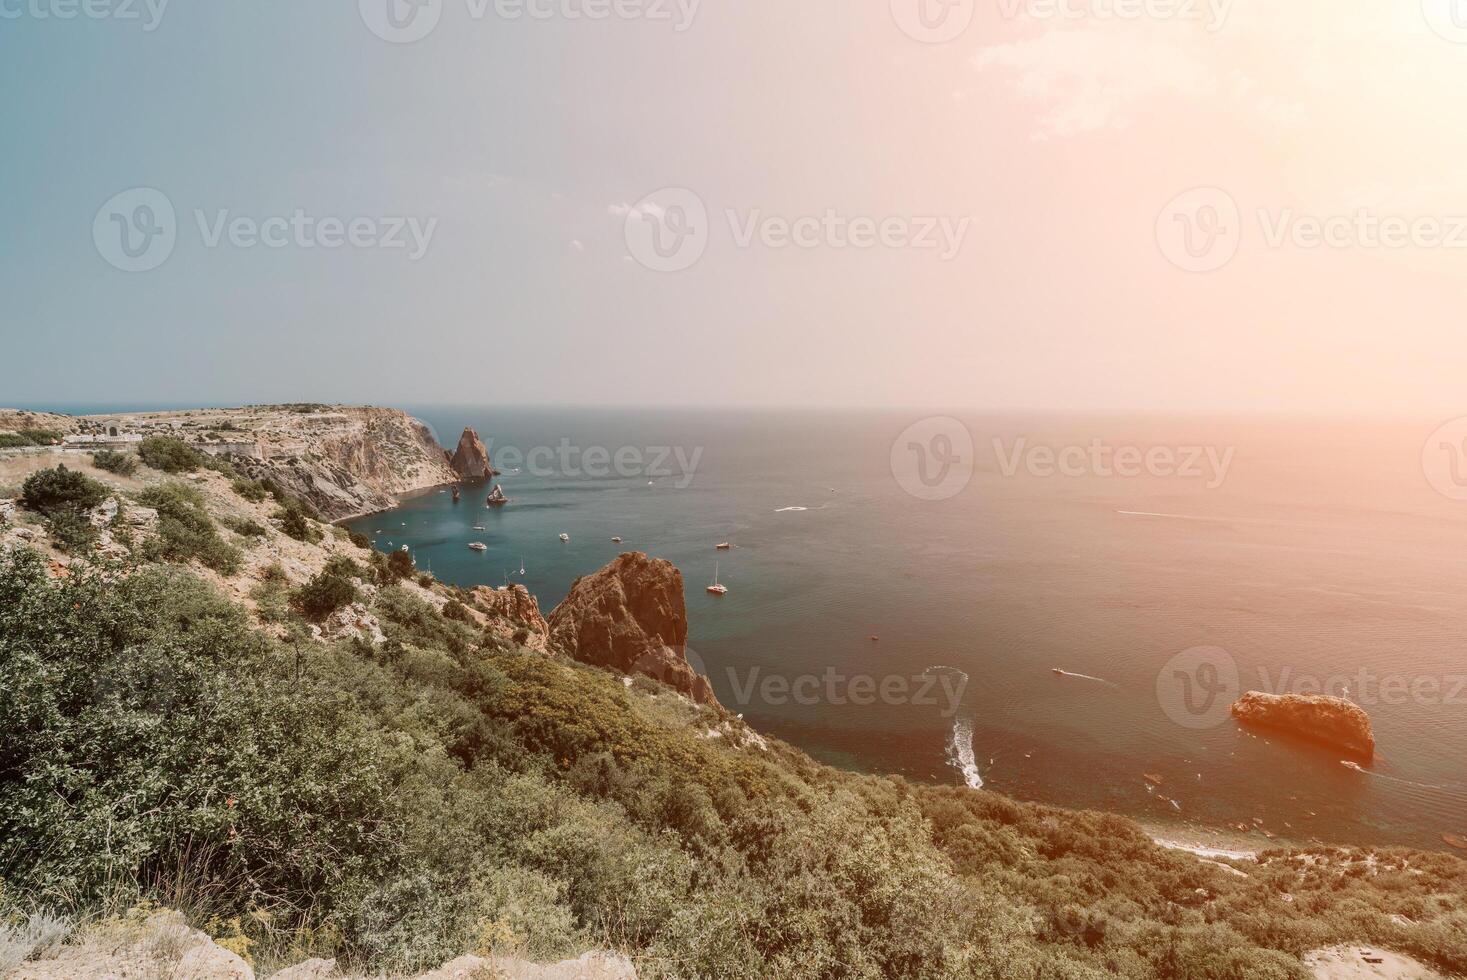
630,617
471,460
1332,721
514,615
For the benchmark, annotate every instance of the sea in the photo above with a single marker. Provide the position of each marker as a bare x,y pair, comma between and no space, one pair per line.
1056,608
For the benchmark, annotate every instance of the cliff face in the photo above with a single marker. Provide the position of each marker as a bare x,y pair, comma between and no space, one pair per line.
345,461
1331,721
471,460
514,615
630,617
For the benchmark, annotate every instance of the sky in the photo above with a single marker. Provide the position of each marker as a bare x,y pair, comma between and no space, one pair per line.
1068,205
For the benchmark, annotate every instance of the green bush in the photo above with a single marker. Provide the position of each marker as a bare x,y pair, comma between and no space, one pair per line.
400,564
360,540
28,437
169,454
296,524
325,593
185,530
123,464
244,527
252,490
72,531
56,490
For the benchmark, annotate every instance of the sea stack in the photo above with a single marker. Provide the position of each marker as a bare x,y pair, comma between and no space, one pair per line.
1335,722
471,460
630,617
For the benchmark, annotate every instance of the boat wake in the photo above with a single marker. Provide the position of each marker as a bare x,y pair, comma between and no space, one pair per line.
786,510
960,754
1087,677
1395,779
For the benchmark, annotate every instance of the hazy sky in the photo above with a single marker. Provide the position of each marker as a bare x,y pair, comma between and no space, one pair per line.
1015,187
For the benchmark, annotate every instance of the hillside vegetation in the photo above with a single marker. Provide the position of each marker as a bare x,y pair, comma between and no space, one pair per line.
215,703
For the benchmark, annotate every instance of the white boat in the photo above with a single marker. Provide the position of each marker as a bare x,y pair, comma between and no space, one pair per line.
480,527
403,548
616,540
522,566
478,546
723,546
564,536
716,588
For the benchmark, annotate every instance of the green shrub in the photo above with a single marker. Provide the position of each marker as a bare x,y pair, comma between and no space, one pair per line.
252,490
169,454
400,564
185,530
244,527
360,540
28,437
52,491
72,531
295,524
123,464
325,593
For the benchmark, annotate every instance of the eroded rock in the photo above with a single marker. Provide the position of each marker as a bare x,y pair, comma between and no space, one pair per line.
1319,718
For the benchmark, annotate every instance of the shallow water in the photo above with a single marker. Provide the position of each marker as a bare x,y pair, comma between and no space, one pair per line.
1323,553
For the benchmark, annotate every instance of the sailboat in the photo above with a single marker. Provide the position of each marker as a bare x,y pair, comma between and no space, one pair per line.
716,588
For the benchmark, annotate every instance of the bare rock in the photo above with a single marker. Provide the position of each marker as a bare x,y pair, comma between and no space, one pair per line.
1319,718
471,460
630,617
513,615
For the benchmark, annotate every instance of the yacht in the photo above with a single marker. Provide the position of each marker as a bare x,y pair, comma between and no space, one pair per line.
564,536
616,540
716,588
478,546
723,546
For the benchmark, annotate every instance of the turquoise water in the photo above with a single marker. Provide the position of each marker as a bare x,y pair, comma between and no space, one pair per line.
1323,553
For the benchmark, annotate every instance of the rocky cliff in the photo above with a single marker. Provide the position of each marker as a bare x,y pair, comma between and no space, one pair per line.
346,461
630,617
1331,721
471,459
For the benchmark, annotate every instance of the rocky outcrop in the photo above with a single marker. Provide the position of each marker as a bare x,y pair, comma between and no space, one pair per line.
513,615
345,461
471,459
163,945
630,617
1331,721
